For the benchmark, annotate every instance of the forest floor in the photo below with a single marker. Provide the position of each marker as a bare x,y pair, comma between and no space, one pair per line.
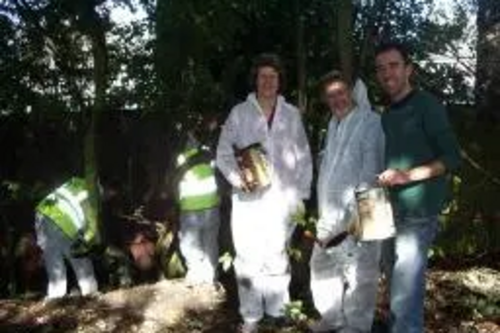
458,300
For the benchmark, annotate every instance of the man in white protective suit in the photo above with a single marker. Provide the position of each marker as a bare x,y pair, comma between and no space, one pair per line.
261,219
344,278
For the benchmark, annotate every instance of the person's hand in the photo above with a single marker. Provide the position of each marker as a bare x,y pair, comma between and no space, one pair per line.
241,184
310,238
245,187
79,248
393,177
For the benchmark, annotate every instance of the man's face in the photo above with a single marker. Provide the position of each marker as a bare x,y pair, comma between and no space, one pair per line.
338,98
267,82
393,74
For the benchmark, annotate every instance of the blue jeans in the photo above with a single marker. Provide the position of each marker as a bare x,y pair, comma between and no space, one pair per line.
405,263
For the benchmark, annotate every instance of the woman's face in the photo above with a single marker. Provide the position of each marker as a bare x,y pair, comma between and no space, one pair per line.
267,82
338,97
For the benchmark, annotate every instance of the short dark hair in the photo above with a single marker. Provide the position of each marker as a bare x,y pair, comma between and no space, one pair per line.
267,60
332,77
401,48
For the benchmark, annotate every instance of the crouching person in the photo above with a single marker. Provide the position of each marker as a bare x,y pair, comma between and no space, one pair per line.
66,229
344,278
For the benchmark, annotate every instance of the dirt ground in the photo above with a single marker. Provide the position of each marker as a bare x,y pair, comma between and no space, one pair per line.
461,301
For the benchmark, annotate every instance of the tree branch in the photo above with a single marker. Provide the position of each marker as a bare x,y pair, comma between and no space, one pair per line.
489,175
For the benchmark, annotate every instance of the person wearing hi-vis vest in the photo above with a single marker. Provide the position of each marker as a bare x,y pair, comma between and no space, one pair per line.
198,201
66,229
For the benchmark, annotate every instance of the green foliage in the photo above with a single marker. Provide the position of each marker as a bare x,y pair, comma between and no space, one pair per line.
17,191
189,60
300,218
295,254
226,261
298,250
295,311
482,307
470,224
132,74
175,267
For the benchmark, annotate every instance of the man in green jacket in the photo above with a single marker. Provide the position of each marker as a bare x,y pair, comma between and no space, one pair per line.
421,151
66,229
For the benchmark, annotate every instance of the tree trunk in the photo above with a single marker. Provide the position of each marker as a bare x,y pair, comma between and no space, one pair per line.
345,37
488,58
162,54
97,36
370,38
170,56
301,58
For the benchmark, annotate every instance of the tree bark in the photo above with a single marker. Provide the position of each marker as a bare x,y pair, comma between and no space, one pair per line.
371,34
161,53
96,32
488,58
345,37
170,56
301,58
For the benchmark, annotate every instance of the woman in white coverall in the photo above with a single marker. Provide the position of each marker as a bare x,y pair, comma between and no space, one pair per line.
344,278
260,220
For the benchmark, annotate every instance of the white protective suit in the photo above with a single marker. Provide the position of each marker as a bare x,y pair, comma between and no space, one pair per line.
344,279
260,221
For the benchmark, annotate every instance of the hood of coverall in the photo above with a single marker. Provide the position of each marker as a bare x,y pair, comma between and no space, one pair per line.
360,96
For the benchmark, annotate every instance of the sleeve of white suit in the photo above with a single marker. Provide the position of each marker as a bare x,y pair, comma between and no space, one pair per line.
225,159
304,161
373,152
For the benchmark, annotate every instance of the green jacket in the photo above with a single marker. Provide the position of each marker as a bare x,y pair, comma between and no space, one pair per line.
417,132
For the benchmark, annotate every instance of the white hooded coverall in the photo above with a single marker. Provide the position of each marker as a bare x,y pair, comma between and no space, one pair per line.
344,279
260,221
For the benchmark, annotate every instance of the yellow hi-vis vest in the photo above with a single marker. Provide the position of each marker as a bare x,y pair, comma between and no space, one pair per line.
68,207
197,187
